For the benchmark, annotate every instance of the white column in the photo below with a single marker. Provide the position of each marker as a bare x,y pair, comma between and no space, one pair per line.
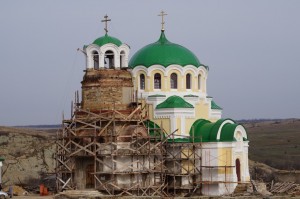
173,123
182,121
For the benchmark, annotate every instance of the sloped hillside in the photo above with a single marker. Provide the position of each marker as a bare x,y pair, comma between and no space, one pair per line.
275,142
28,153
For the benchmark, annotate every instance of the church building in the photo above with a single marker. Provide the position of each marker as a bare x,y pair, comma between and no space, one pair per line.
204,153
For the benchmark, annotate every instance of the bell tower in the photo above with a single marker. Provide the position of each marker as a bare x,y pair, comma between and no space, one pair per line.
106,84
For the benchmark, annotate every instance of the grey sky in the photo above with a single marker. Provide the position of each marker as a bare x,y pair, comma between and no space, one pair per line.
252,49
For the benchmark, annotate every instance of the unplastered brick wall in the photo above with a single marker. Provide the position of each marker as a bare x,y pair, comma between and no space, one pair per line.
107,89
103,98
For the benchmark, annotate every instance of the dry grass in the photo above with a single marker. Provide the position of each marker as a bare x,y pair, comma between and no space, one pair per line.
42,134
275,143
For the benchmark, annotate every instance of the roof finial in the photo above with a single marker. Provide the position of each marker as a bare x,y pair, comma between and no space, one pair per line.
162,14
105,20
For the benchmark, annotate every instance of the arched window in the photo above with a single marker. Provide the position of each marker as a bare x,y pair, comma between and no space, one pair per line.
122,59
173,81
199,81
96,59
157,81
142,81
188,80
109,59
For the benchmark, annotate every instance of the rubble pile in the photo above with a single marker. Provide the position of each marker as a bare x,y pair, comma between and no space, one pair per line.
17,190
289,188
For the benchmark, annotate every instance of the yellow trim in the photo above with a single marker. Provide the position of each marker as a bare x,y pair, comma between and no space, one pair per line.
225,159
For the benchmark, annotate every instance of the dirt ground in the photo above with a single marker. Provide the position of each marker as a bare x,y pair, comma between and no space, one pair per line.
33,197
203,197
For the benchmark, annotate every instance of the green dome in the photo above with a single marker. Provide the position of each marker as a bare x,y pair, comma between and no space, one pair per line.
165,53
107,39
174,102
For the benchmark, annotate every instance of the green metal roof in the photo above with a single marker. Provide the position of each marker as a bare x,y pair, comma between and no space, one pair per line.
205,131
1,159
200,130
154,129
215,106
227,133
165,53
174,102
178,140
106,40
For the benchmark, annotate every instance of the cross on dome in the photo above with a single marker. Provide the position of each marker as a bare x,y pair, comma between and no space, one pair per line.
105,20
162,14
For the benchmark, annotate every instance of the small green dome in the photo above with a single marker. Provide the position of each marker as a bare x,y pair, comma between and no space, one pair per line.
174,102
165,53
107,39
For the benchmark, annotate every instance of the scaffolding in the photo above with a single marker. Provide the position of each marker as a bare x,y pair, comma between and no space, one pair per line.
119,153
123,158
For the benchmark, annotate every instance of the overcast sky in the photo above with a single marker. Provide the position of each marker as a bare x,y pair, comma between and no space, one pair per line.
251,47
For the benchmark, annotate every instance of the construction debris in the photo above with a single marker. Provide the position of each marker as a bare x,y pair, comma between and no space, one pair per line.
82,194
17,190
290,188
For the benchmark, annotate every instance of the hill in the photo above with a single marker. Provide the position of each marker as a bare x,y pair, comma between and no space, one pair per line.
29,153
275,142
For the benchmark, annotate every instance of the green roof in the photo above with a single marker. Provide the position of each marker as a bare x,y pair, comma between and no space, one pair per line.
1,159
215,106
227,132
174,102
107,39
198,128
205,131
178,140
165,53
154,129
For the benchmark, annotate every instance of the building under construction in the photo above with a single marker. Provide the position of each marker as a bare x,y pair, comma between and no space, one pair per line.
147,127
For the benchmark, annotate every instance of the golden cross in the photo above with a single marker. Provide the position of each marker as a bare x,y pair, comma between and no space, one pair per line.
106,20
162,14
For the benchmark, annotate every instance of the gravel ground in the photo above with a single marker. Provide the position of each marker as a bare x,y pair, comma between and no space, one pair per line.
33,197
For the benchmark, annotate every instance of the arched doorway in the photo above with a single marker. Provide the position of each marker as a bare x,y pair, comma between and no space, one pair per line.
238,169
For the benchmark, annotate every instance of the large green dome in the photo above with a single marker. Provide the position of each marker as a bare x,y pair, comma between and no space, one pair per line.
165,53
107,39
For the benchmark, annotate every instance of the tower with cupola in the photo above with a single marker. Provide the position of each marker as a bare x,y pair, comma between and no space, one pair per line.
171,80
106,84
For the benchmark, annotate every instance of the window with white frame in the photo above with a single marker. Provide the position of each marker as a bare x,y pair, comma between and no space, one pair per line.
157,81
142,81
173,81
109,59
188,81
